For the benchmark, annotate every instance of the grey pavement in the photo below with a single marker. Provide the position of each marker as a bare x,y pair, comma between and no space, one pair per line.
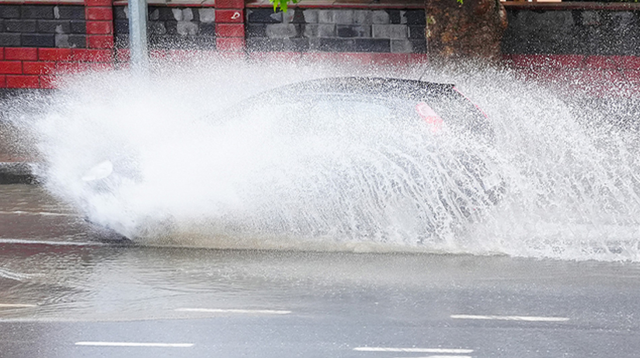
64,293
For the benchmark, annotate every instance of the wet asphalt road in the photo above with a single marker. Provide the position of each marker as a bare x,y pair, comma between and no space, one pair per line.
63,293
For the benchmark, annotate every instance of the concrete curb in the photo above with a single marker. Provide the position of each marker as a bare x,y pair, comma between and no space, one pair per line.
18,173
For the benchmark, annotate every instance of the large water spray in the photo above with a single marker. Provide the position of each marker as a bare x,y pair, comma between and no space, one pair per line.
333,179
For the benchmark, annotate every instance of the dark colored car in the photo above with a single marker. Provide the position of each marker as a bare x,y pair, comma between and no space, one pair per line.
438,105
454,138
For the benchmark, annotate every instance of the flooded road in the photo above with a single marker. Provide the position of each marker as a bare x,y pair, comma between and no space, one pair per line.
65,293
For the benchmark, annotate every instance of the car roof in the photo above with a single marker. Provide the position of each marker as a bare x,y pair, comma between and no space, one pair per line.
452,106
371,86
464,116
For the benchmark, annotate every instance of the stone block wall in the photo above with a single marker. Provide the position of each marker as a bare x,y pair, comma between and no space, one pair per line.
592,49
171,27
62,26
336,30
578,31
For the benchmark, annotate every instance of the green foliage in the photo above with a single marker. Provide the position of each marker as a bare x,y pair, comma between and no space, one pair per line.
284,4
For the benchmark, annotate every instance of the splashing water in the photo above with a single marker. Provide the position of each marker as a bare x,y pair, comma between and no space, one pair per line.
325,182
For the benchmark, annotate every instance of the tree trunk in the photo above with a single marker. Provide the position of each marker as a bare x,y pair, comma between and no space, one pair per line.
469,31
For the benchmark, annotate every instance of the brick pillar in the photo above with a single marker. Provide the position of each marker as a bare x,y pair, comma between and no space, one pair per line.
230,25
99,16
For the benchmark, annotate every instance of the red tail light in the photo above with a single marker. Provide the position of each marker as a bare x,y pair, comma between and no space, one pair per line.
430,116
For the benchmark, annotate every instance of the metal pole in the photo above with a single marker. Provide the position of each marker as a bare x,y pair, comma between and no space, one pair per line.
138,35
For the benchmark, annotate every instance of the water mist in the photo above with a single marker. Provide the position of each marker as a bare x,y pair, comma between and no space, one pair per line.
315,183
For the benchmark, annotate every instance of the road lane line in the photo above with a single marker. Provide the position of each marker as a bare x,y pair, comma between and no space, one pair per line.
241,311
42,213
414,350
16,276
439,356
511,318
51,243
135,344
16,305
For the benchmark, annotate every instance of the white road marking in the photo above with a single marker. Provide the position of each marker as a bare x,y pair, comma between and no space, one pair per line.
16,305
240,311
439,356
43,213
52,243
16,276
511,318
414,350
135,344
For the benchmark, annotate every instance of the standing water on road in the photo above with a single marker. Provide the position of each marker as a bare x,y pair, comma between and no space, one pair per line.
184,177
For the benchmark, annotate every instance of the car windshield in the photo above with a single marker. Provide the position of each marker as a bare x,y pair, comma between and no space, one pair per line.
325,114
338,112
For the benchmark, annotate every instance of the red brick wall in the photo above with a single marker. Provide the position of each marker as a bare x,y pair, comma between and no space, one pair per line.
99,17
38,67
230,25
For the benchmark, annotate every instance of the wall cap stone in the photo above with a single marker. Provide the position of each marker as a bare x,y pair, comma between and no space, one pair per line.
343,4
564,6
